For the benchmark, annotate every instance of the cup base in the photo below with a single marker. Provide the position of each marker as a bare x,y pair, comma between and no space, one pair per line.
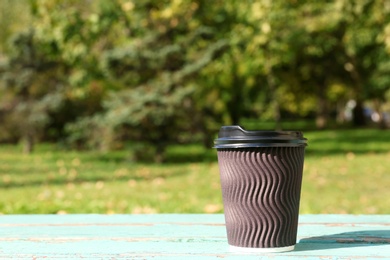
238,249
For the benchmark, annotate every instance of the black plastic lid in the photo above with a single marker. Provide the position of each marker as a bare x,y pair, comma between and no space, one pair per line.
236,137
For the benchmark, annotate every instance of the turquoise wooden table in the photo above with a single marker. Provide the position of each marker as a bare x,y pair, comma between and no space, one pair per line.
162,236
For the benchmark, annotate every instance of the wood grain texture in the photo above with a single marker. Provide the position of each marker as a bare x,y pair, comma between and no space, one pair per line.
185,235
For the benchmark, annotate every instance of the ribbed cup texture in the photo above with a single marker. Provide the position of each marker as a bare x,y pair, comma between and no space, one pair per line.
261,192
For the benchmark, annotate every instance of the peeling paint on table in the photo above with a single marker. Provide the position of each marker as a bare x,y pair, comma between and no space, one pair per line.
160,236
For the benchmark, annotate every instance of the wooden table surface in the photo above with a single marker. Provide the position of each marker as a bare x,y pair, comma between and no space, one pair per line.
161,236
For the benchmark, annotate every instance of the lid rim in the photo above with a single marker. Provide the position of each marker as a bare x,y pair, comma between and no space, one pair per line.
258,145
227,131
236,137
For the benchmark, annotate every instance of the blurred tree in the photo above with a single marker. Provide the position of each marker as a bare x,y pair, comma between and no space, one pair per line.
79,31
137,70
34,87
337,43
222,93
14,16
366,47
53,63
242,83
319,56
160,48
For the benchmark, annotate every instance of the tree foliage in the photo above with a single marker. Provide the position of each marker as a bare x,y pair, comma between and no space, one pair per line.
100,73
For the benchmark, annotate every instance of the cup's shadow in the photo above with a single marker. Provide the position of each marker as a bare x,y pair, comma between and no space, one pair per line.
345,240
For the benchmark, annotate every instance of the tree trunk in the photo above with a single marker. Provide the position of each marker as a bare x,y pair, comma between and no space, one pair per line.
235,104
275,100
207,139
277,117
28,143
322,117
358,114
340,118
273,89
378,109
159,156
358,118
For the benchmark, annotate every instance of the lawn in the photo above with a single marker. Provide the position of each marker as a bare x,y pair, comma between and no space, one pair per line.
346,171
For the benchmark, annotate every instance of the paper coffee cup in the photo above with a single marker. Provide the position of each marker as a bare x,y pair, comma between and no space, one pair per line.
261,176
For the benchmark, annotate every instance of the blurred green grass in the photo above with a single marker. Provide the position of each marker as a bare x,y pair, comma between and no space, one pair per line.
346,171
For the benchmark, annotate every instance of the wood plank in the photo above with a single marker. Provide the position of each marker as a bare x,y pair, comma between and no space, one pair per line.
182,235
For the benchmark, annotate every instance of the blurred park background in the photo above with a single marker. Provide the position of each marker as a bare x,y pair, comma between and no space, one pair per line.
111,106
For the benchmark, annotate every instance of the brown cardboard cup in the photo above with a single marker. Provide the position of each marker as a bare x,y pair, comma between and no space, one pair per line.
261,176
